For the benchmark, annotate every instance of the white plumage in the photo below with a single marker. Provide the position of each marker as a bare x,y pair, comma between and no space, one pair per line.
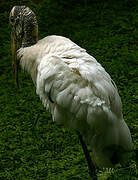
79,94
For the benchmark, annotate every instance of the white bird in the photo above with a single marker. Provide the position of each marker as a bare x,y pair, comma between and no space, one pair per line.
76,89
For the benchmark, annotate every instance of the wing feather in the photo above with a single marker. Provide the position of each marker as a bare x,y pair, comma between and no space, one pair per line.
81,95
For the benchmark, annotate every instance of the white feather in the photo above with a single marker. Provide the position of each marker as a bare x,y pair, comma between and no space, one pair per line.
79,93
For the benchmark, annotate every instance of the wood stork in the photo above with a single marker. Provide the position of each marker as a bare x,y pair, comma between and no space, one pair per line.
75,88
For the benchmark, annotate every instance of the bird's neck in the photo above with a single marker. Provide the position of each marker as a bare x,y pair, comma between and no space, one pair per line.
28,60
28,41
26,52
30,33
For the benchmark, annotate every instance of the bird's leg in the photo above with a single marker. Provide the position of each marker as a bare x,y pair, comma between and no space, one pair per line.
91,166
36,120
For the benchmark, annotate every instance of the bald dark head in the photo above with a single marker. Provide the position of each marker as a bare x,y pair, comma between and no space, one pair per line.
24,32
24,26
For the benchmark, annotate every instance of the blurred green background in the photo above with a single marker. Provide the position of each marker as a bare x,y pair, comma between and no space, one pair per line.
107,29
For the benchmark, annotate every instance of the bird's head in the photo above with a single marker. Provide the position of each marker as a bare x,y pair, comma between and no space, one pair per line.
24,32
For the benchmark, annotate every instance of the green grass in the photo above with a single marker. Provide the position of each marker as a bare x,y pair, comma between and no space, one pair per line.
107,29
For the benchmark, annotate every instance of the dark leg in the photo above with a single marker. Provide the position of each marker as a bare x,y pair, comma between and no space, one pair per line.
88,158
36,120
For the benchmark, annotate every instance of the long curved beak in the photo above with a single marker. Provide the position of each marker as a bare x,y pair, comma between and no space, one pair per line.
15,64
